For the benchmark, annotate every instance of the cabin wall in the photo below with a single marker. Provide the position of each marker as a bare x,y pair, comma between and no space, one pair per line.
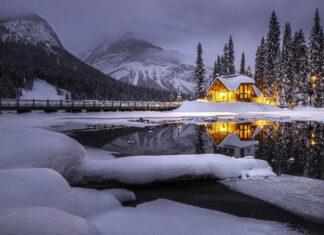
219,93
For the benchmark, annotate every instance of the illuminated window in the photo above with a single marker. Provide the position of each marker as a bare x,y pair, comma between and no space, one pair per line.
244,91
244,131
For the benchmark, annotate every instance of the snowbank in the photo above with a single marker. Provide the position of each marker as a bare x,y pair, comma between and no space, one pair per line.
298,195
44,221
33,148
147,169
167,217
198,106
38,187
42,90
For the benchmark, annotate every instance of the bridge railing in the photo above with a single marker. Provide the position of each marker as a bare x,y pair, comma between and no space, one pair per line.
84,104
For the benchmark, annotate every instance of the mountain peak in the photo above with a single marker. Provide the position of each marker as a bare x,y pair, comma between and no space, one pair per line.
28,28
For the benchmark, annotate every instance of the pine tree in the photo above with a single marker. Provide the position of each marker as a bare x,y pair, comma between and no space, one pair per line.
248,72
219,65
300,62
260,64
225,59
316,59
242,66
286,81
200,73
215,72
272,56
231,57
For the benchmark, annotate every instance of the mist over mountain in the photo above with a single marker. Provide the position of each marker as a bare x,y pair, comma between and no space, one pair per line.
141,63
30,50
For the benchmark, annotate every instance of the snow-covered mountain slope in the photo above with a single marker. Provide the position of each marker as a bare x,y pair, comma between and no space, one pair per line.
43,91
31,28
141,63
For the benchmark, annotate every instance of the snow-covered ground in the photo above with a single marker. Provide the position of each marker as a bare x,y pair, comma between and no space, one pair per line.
167,217
298,195
42,90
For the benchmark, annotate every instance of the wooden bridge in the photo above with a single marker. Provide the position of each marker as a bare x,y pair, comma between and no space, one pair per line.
84,105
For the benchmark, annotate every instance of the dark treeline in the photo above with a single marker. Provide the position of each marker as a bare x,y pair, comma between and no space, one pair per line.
291,71
295,148
21,63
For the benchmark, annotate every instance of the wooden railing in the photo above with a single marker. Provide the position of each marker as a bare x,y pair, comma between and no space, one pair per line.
87,105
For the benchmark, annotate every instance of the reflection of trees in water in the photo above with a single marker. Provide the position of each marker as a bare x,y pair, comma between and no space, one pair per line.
200,139
293,148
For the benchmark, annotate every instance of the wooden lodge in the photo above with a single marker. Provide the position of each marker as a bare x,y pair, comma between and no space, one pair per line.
233,88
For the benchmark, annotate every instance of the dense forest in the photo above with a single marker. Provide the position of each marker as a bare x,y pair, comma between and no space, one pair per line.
22,62
289,70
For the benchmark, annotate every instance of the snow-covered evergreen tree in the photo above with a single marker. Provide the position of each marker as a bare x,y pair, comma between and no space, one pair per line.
225,59
215,72
300,63
316,59
260,64
231,56
219,65
272,56
287,81
242,65
248,72
200,73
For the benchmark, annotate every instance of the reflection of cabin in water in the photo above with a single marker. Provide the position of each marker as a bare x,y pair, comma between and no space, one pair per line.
236,138
233,88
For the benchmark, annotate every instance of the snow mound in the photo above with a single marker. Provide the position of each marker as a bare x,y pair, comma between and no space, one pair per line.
298,195
36,187
148,169
96,201
36,148
198,106
42,90
167,217
41,187
44,221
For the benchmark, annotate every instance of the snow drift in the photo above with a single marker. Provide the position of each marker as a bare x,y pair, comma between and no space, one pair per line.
148,169
33,148
166,217
298,195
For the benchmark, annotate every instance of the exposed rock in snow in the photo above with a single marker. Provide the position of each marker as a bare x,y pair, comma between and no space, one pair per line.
147,169
44,221
43,91
298,195
166,217
30,28
37,148
198,106
141,63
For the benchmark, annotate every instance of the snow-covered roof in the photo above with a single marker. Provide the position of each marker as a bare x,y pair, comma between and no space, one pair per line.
233,82
233,140
256,91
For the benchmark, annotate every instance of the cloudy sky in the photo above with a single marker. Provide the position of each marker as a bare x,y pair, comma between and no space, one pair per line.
172,24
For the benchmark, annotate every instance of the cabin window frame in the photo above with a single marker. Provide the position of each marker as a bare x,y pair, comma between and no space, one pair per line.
244,92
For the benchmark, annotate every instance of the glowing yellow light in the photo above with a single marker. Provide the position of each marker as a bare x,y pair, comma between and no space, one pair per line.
313,85
314,77
313,142
313,135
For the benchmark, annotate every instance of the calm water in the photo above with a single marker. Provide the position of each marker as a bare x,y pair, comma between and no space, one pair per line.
294,148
